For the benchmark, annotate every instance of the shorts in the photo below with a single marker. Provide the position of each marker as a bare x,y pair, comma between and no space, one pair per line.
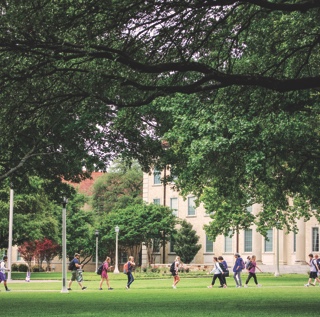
313,275
2,277
77,276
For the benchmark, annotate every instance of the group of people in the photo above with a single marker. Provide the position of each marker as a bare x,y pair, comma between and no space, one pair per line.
314,263
220,271
77,272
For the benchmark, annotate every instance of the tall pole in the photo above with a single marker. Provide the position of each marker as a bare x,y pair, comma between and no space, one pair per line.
9,254
116,269
277,272
164,204
97,235
64,245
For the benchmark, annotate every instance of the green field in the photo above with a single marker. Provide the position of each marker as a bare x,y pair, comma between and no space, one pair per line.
278,296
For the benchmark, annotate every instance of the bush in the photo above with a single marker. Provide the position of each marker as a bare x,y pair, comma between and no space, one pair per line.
14,267
37,268
23,267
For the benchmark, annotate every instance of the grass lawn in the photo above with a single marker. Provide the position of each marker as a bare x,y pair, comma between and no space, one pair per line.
279,296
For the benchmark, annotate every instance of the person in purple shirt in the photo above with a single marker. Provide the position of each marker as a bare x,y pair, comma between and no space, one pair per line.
237,268
252,272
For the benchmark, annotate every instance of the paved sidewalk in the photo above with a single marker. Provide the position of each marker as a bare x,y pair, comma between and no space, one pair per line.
285,269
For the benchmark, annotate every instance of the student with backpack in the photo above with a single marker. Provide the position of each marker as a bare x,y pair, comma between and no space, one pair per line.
130,266
174,269
76,269
217,273
251,267
313,271
104,274
237,269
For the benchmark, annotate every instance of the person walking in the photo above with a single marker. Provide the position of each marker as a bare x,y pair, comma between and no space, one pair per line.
175,272
313,271
104,274
237,269
3,270
252,271
217,273
225,269
76,269
131,265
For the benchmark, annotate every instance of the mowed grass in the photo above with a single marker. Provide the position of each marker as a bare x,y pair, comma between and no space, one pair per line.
279,296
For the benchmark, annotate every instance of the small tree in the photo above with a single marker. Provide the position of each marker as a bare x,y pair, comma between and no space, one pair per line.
28,251
46,251
186,242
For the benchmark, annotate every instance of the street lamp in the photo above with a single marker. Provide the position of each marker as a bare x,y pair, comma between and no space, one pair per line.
116,270
165,146
9,253
97,235
64,245
277,272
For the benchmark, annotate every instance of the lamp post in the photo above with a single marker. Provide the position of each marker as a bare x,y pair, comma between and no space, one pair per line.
116,270
64,245
277,272
9,254
97,235
165,146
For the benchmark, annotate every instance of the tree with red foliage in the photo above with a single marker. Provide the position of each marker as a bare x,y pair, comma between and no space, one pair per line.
27,251
46,250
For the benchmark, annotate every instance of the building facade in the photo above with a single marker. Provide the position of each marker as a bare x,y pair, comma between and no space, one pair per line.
291,248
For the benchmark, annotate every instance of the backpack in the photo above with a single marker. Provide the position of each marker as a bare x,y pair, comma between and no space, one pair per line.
223,268
100,269
249,265
315,263
172,267
125,268
318,262
71,266
243,266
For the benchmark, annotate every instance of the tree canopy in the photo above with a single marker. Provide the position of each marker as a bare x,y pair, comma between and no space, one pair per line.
232,85
69,67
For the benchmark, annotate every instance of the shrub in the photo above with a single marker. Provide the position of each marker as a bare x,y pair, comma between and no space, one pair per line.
37,268
14,267
23,267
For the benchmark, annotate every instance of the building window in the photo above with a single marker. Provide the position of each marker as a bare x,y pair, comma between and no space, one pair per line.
156,245
123,257
156,177
294,242
268,243
18,256
315,239
156,201
191,206
209,245
172,243
228,243
248,240
174,206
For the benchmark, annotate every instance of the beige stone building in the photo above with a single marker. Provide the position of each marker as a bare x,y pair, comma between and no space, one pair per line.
291,248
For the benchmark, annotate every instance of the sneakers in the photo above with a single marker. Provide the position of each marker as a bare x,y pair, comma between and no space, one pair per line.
110,289
84,288
306,285
312,284
259,285
174,287
69,289
245,285
224,286
8,290
127,287
100,289
210,286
